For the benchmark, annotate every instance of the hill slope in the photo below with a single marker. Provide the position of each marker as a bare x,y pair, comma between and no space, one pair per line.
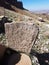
18,14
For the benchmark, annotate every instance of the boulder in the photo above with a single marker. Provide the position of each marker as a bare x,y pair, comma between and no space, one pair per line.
21,36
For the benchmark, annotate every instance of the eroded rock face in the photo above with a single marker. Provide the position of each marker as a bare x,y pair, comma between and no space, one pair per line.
21,36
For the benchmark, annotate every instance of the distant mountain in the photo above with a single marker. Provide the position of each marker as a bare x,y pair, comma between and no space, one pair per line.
42,12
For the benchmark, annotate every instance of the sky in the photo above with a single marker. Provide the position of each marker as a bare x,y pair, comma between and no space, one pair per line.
36,5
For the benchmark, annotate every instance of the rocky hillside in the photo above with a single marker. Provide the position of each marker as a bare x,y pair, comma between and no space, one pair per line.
41,20
16,6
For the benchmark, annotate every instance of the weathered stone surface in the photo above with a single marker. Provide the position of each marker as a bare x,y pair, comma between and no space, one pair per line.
21,36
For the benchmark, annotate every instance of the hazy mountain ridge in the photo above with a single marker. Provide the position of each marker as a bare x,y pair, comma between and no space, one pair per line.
42,11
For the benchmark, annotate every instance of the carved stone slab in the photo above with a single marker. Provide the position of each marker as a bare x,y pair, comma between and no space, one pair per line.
21,36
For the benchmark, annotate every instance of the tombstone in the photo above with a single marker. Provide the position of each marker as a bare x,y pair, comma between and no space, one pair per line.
21,36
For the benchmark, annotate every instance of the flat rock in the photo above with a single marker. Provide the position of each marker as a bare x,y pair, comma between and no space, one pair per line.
21,36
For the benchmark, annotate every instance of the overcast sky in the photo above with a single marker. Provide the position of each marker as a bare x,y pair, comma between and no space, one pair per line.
36,4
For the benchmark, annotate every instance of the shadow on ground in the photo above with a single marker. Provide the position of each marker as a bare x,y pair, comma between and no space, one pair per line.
2,22
43,58
10,57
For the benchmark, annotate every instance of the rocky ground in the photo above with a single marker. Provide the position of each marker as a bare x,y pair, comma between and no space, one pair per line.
41,45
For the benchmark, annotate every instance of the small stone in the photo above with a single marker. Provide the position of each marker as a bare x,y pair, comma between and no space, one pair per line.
46,61
25,60
47,50
46,34
35,61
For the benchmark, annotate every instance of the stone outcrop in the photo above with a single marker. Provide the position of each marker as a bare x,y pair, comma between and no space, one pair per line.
8,3
21,36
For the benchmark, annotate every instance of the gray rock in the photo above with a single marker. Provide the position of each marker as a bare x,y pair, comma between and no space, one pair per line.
21,36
